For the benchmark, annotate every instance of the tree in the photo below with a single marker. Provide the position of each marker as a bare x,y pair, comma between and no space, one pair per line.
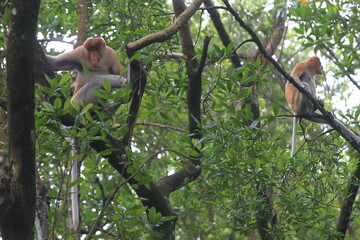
17,174
199,149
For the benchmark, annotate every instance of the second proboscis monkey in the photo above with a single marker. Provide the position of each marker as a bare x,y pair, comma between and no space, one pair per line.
304,74
94,62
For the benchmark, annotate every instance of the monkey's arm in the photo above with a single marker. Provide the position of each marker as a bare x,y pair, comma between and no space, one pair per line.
68,61
87,95
113,61
115,68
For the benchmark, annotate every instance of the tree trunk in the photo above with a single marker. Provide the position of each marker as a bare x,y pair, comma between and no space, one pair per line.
17,170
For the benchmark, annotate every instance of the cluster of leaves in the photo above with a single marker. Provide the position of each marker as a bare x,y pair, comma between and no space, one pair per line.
241,161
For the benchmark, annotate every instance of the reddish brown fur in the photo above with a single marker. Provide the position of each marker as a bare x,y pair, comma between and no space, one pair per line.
94,46
314,66
293,96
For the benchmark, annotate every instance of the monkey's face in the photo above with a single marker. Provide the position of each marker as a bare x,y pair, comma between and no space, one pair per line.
314,65
94,58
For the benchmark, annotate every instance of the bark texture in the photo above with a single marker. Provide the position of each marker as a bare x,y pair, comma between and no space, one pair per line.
17,170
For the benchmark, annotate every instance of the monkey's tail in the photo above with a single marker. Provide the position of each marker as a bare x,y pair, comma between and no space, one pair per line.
293,138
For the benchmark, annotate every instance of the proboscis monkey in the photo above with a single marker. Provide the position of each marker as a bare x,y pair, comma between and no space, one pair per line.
94,62
304,74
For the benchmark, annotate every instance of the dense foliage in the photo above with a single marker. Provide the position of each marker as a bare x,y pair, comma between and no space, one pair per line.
246,164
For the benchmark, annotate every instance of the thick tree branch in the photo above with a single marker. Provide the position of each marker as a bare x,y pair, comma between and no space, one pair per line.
150,197
171,183
195,86
191,170
83,15
337,125
165,34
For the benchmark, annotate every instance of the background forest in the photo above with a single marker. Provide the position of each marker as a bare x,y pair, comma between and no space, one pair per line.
200,146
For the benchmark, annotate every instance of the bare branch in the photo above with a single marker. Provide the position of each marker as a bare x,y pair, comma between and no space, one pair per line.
176,55
159,125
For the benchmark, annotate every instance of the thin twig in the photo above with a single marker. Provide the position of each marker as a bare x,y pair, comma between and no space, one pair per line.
156,125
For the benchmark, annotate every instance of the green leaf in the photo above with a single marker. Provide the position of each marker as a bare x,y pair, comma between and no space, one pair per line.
7,15
229,48
217,48
122,131
154,217
86,108
357,113
298,30
201,141
106,85
48,107
137,56
269,118
248,112
76,182
293,12
57,103
85,67
169,218
136,210
75,106
65,79
164,115
106,152
101,94
275,107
